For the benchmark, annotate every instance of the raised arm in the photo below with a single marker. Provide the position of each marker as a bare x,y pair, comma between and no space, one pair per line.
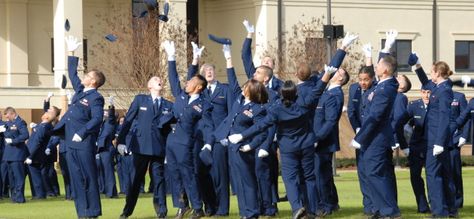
413,60
249,67
73,61
170,49
313,97
46,103
235,90
193,68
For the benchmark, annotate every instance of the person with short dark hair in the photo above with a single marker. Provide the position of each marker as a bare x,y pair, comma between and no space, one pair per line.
80,127
189,109
357,91
376,134
15,134
213,179
272,82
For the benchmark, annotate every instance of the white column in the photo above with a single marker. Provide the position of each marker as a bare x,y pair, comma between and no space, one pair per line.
71,10
266,30
16,43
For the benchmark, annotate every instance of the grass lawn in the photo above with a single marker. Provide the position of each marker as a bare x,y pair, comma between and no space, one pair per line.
347,186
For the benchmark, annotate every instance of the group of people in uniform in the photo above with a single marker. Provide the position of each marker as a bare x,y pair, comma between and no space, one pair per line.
218,139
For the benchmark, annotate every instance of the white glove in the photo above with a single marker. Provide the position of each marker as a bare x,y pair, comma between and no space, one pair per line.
32,125
391,36
315,144
206,146
50,94
329,69
397,145
235,138
47,151
224,142
348,39
250,28
28,161
367,49
226,50
462,141
170,50
437,150
111,100
357,130
355,144
262,153
197,52
97,156
122,149
465,79
406,151
245,148
72,43
3,129
76,138
8,140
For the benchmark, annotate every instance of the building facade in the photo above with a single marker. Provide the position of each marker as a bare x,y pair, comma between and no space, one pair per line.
33,53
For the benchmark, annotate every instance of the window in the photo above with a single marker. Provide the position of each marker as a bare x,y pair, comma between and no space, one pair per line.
464,59
401,50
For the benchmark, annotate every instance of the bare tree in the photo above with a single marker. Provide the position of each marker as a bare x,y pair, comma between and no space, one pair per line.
137,55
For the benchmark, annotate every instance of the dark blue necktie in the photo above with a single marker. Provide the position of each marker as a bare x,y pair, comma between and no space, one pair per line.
156,105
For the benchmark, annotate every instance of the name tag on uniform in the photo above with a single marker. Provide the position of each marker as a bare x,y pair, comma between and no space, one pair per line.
166,111
455,103
84,102
371,96
143,108
197,108
355,100
319,107
221,97
13,127
417,117
248,113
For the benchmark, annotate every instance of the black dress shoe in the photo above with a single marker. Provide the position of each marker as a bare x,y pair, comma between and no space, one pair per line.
162,216
123,216
197,214
299,213
182,212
